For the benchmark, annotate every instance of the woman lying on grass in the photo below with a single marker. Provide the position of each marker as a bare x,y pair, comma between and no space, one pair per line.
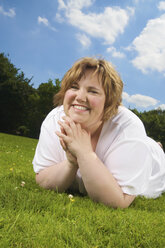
93,144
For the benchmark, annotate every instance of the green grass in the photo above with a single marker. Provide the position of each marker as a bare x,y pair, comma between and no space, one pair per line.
33,217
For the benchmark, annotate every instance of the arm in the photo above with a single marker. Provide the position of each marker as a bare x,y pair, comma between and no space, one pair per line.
99,182
55,175
58,177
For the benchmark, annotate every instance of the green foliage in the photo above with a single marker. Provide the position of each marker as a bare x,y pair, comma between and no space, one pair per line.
14,96
22,107
46,92
31,217
154,122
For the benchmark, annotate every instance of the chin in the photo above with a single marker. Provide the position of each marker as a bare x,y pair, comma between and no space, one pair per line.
77,120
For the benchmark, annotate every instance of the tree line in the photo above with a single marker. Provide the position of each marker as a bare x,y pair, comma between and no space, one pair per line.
23,107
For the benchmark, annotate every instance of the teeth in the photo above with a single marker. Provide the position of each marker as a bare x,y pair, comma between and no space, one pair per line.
80,107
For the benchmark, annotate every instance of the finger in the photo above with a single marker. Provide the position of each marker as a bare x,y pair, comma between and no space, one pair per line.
63,144
60,123
82,131
62,136
79,128
65,128
63,124
62,130
67,119
72,124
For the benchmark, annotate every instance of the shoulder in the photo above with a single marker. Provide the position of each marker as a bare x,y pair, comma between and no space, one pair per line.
55,113
53,117
129,123
126,123
124,127
155,149
126,116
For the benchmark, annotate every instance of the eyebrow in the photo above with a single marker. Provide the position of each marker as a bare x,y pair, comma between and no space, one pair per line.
89,87
93,88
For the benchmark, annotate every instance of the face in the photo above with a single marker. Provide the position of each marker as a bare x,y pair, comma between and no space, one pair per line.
84,101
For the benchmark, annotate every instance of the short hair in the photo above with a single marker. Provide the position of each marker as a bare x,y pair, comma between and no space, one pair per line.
110,80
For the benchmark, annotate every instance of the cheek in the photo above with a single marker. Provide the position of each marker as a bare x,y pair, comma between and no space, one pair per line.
97,102
69,95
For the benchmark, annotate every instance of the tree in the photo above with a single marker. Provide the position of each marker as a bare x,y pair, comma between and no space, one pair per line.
41,105
46,91
154,122
22,107
15,90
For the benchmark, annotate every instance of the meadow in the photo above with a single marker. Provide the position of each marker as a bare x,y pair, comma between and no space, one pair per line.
31,217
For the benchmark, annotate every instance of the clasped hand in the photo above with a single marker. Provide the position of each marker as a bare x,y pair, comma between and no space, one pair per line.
74,139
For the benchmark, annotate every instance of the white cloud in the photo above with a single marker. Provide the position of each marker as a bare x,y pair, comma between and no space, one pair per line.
115,53
61,4
106,25
150,46
161,5
140,100
162,107
45,22
75,4
59,18
10,13
84,40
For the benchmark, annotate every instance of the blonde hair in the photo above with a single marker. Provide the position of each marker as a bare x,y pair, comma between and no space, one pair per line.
110,80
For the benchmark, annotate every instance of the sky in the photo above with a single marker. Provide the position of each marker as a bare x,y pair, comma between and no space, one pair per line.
43,38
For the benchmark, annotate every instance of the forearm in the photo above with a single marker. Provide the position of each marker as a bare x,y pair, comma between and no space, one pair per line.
100,183
58,177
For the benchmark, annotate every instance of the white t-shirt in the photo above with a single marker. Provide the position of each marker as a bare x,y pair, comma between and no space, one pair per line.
136,161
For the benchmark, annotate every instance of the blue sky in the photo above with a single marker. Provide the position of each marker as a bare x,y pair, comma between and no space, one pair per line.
45,37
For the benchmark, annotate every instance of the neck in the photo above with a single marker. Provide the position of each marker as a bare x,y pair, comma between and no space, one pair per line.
94,130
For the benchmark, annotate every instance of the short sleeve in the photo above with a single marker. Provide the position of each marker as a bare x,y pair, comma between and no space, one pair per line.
130,163
48,151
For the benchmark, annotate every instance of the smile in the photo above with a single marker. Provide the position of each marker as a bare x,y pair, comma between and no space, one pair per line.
80,107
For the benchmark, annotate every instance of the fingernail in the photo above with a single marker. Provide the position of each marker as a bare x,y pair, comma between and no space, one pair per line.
57,133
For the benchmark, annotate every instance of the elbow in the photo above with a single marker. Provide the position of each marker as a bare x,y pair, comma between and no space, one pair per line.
115,205
37,178
45,182
42,181
122,205
122,202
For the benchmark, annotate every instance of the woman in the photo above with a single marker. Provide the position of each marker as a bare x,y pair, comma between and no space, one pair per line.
91,143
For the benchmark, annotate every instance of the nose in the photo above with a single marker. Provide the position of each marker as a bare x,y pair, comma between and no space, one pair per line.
81,95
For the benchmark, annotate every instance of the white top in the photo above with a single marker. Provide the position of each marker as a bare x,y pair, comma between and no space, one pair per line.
136,161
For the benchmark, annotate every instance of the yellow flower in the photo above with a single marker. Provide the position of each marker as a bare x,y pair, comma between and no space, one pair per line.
71,198
11,169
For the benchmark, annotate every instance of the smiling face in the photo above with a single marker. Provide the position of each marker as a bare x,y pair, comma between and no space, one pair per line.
84,101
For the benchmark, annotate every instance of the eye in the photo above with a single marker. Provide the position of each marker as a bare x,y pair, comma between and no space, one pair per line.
93,91
74,86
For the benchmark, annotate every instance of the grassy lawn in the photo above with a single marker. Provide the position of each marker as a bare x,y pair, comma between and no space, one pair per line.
33,217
